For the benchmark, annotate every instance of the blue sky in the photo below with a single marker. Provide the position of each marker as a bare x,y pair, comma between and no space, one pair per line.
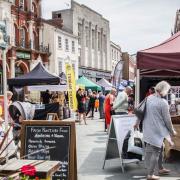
134,24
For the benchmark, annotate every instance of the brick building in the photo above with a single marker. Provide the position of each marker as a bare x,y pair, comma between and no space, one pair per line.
129,67
26,42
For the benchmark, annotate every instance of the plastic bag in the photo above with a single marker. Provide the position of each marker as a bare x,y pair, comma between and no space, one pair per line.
135,143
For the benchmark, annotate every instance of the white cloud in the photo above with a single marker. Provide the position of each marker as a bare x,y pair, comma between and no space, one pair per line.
134,24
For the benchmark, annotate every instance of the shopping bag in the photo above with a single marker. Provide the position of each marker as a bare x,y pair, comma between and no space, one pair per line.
135,143
140,110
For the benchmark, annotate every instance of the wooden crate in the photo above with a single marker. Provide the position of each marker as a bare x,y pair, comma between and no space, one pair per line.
176,141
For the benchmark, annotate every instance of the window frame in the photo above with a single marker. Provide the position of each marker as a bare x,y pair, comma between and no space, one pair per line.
73,46
66,44
59,42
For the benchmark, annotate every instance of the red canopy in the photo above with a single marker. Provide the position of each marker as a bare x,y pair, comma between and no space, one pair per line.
163,56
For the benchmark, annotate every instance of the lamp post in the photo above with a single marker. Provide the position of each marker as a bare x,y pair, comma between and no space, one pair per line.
3,48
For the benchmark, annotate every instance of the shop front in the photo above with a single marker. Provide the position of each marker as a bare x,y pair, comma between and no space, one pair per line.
95,75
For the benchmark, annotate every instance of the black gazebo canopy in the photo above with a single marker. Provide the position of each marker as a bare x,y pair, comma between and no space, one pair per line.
38,76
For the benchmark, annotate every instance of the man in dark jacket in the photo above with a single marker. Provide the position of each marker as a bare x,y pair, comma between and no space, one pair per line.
92,99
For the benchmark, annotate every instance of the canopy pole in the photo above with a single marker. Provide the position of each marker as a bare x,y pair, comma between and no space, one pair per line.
5,96
137,87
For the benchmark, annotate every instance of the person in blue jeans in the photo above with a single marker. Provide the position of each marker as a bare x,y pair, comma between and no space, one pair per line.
101,105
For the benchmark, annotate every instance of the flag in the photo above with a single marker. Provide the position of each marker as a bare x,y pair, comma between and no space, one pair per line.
71,87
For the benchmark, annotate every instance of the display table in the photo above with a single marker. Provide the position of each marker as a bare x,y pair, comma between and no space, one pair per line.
176,139
44,169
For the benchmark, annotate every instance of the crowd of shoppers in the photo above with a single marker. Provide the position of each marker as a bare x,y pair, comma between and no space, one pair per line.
156,125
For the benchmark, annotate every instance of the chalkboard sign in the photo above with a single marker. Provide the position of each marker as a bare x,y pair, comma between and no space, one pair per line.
51,140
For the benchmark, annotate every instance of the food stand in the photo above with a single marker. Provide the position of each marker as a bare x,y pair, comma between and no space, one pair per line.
161,62
39,79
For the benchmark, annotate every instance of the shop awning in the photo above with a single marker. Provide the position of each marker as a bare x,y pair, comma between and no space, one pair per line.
163,56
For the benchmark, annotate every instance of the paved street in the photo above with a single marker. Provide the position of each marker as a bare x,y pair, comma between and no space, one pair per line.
91,143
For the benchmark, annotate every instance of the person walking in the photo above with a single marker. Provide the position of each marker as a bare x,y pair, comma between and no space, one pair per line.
81,100
120,105
46,97
108,103
91,105
101,105
157,126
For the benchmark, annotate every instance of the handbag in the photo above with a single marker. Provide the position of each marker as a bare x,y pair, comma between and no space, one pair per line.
140,110
135,143
112,112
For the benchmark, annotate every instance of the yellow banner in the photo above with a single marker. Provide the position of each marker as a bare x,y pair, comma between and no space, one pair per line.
71,87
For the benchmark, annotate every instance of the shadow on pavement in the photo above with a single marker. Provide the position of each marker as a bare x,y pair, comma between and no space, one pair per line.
92,165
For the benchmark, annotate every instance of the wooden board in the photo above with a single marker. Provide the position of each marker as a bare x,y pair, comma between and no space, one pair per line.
42,167
176,141
175,119
51,140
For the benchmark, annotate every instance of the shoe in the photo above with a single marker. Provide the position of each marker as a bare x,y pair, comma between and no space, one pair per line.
164,171
153,177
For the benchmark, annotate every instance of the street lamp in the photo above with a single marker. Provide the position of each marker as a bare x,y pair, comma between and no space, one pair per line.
3,48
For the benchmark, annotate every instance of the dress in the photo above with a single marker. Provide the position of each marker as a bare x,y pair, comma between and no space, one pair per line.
107,110
81,99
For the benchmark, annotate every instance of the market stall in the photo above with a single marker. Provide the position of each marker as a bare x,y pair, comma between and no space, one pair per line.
107,86
40,80
161,62
88,84
38,76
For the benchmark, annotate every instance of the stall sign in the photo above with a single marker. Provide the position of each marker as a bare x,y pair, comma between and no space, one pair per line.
53,141
22,55
71,87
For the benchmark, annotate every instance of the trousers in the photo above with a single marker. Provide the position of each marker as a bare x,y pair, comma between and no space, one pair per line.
153,159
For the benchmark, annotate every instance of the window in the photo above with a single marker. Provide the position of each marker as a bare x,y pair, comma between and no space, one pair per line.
104,43
73,66
79,33
99,41
93,39
79,60
34,9
73,46
87,36
18,71
115,55
60,67
15,32
22,37
59,42
66,45
21,4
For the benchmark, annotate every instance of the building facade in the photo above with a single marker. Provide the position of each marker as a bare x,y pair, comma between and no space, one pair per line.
63,46
27,41
5,15
93,34
129,67
177,22
25,29
116,54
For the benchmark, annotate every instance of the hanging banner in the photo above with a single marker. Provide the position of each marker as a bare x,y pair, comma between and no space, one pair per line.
71,87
